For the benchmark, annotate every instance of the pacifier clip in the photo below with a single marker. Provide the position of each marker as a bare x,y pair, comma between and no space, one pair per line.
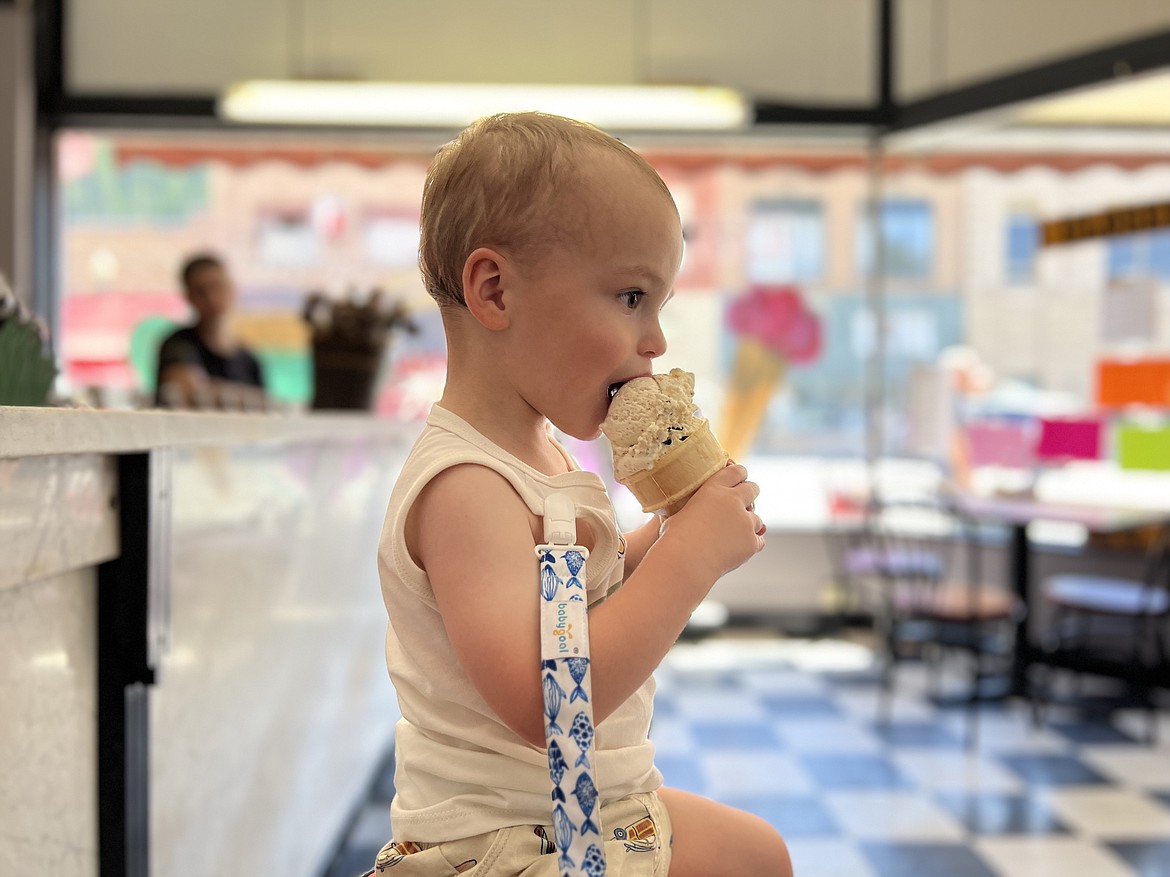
565,680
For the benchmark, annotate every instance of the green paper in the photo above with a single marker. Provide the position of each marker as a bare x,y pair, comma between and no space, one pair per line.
1142,447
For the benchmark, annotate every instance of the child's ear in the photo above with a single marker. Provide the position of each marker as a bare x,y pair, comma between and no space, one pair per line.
483,287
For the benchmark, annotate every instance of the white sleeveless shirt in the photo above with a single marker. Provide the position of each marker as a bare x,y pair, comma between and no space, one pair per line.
459,770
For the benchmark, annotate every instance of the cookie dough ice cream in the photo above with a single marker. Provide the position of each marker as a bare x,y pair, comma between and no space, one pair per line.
663,449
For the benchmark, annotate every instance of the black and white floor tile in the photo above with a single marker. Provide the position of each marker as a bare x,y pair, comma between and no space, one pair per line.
788,729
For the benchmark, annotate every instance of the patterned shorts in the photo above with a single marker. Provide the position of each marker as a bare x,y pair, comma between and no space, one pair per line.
637,830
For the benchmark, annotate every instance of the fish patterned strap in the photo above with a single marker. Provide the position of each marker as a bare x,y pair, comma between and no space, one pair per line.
565,680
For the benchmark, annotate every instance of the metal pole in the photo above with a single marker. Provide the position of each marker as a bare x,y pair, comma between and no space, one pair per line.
875,397
875,298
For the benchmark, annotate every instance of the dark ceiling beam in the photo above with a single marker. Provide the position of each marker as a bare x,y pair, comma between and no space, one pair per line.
774,113
1092,68
94,106
48,55
885,61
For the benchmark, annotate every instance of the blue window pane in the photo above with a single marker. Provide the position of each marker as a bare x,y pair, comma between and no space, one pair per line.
1125,256
1022,242
907,235
1159,251
785,241
1140,255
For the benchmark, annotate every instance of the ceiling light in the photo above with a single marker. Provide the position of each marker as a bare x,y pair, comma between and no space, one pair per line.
454,105
1140,102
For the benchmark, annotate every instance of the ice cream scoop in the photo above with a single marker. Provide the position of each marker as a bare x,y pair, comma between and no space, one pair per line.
663,449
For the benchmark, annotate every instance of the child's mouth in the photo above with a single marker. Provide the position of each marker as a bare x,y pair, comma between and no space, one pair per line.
613,389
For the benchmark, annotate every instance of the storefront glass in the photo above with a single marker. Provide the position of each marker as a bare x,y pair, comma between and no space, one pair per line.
776,279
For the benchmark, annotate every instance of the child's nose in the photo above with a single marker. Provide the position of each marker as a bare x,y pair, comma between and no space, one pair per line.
653,342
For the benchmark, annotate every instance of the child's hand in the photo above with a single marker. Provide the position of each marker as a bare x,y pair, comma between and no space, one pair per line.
718,525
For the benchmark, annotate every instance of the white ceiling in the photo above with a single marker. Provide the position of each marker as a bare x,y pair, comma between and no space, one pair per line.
803,51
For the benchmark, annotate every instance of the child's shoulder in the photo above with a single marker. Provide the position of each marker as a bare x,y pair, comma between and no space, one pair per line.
446,443
447,439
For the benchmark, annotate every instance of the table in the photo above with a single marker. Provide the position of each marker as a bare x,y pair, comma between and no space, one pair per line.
1017,513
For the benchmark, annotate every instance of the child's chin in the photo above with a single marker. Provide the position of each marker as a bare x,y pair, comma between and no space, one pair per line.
582,432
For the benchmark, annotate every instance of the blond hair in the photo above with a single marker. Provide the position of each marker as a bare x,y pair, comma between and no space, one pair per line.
505,182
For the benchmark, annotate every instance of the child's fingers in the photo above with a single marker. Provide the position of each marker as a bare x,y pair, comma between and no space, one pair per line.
749,492
730,475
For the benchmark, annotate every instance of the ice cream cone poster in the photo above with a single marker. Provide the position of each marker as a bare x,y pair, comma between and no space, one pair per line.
773,329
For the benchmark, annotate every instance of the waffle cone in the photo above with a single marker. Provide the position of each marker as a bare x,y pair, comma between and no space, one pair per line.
679,472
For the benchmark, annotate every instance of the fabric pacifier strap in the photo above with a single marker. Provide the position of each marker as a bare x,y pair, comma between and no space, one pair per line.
564,671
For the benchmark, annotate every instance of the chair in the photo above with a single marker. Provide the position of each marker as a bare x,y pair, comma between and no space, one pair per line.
863,552
931,595
1115,617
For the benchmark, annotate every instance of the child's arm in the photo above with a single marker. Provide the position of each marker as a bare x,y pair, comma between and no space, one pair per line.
632,630
475,538
638,542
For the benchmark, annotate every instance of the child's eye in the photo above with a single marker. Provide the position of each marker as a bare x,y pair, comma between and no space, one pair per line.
630,298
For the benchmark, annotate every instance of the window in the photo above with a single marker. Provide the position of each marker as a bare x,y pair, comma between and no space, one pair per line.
1123,257
391,239
1159,254
907,238
107,192
286,239
785,241
1022,242
1146,254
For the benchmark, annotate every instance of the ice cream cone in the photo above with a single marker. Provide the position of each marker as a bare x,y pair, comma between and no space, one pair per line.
679,472
758,372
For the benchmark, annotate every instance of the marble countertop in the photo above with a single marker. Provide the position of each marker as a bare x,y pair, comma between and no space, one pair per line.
31,432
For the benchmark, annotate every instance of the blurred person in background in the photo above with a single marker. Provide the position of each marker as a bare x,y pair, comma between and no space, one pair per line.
205,365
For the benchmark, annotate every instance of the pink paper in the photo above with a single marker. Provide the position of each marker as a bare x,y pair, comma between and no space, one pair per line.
1001,444
1069,438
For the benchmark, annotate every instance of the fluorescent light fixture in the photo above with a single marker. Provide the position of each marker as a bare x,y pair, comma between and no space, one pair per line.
1138,102
454,105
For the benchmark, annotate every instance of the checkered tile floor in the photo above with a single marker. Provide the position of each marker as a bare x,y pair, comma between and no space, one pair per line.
787,729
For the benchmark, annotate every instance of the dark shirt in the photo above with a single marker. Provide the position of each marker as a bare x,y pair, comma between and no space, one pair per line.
184,347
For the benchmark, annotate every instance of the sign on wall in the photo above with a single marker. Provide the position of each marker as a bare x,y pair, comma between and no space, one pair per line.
1107,224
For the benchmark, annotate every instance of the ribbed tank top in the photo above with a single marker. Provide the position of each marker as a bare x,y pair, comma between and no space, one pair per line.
459,770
